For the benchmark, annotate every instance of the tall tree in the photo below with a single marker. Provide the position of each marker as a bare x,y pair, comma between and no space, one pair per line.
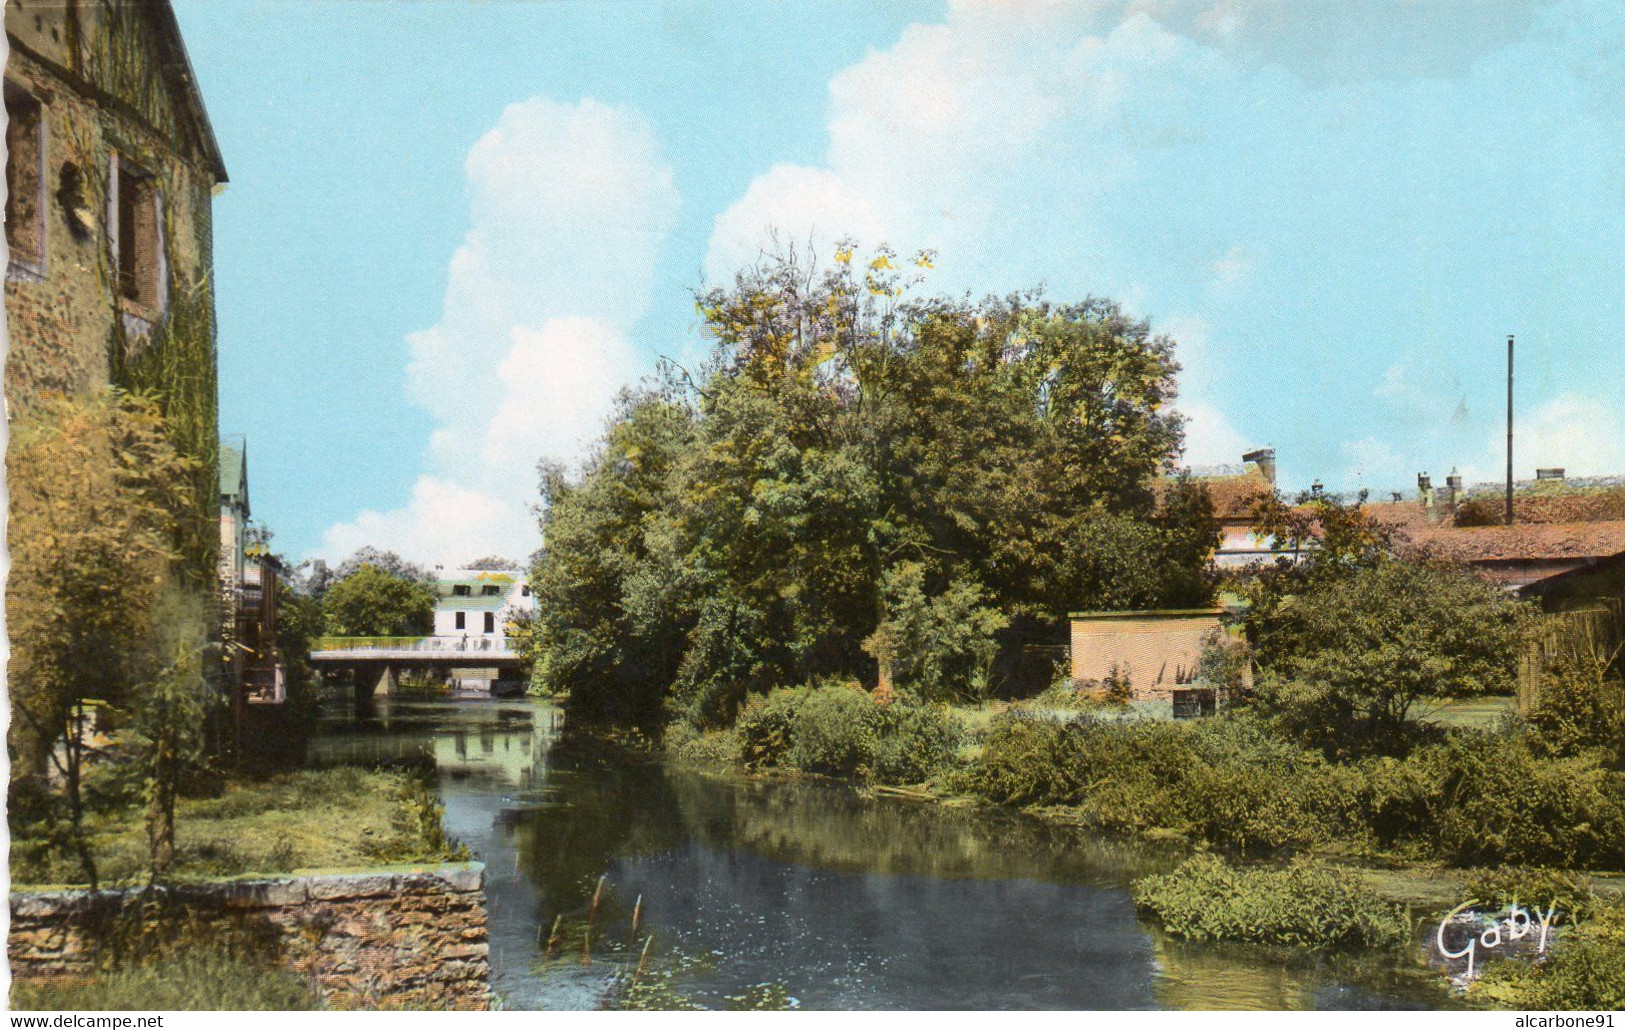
372,601
846,436
98,496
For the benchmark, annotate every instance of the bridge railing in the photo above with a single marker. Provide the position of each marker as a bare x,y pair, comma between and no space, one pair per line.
474,645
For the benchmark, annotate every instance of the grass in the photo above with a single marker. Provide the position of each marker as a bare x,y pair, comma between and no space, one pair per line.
187,981
1476,713
329,818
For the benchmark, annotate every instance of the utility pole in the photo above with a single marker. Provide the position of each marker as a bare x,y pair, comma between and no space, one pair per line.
1509,430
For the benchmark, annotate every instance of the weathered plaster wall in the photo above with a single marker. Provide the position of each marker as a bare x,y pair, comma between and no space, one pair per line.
1157,651
412,938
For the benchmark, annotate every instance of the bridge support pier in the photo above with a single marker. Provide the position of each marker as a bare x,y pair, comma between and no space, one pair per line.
386,682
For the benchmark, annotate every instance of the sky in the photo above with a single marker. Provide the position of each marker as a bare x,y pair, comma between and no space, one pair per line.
454,230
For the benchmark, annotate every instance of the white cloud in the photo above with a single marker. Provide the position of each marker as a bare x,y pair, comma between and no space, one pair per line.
1210,437
569,206
1574,432
444,523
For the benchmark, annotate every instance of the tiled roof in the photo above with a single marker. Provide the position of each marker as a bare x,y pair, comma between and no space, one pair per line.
1519,542
1235,494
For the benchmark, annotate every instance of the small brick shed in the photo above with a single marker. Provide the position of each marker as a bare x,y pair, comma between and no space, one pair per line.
1157,651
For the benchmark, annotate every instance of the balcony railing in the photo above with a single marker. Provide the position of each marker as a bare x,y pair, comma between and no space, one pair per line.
473,645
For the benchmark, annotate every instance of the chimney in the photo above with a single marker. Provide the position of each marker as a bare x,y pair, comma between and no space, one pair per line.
1264,458
1424,493
1548,474
1452,494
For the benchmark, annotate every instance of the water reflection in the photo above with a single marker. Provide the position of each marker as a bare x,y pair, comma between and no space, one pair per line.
845,901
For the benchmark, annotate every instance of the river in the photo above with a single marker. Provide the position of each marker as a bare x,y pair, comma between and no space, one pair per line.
803,894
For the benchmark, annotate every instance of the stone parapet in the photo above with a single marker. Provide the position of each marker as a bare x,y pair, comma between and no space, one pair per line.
411,937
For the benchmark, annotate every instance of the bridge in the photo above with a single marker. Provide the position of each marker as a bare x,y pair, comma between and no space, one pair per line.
379,661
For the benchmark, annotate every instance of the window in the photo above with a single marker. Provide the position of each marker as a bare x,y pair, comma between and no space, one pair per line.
136,240
462,620
490,622
460,590
524,591
490,591
25,180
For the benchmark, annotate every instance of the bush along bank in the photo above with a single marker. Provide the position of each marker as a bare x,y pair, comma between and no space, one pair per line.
1305,904
1475,799
1232,783
836,729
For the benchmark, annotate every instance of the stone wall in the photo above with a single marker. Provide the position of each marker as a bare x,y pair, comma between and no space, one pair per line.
408,937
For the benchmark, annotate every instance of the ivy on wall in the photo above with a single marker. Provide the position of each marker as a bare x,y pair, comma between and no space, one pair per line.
175,364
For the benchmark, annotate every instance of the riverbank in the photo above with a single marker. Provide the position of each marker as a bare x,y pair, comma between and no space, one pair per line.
328,818
1417,835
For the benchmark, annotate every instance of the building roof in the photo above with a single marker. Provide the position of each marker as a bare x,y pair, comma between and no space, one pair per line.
1518,542
234,471
178,65
1236,490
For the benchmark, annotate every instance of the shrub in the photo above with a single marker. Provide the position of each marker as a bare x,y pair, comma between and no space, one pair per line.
1585,970
1533,887
942,646
836,731
1580,709
1305,904
916,742
1348,651
1028,761
1499,803
766,730
709,748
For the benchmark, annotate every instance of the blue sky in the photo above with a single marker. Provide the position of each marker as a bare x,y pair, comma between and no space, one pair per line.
454,229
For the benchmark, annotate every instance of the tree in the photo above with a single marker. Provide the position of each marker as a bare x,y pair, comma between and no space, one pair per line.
1347,656
372,601
387,561
170,712
98,495
493,563
736,529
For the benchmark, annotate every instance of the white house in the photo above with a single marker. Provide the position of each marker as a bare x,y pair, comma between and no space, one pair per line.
476,605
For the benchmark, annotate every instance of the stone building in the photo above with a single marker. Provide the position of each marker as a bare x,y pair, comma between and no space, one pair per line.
111,171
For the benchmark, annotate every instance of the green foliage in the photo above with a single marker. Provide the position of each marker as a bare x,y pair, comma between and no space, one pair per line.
167,740
198,979
1347,654
99,499
835,731
175,366
1534,887
1305,904
328,818
916,742
1232,782
1580,708
839,730
713,749
1500,803
612,607
766,731
940,647
945,472
372,601
1030,762
1584,972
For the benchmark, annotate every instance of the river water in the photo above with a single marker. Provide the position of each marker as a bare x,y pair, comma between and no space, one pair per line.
733,892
